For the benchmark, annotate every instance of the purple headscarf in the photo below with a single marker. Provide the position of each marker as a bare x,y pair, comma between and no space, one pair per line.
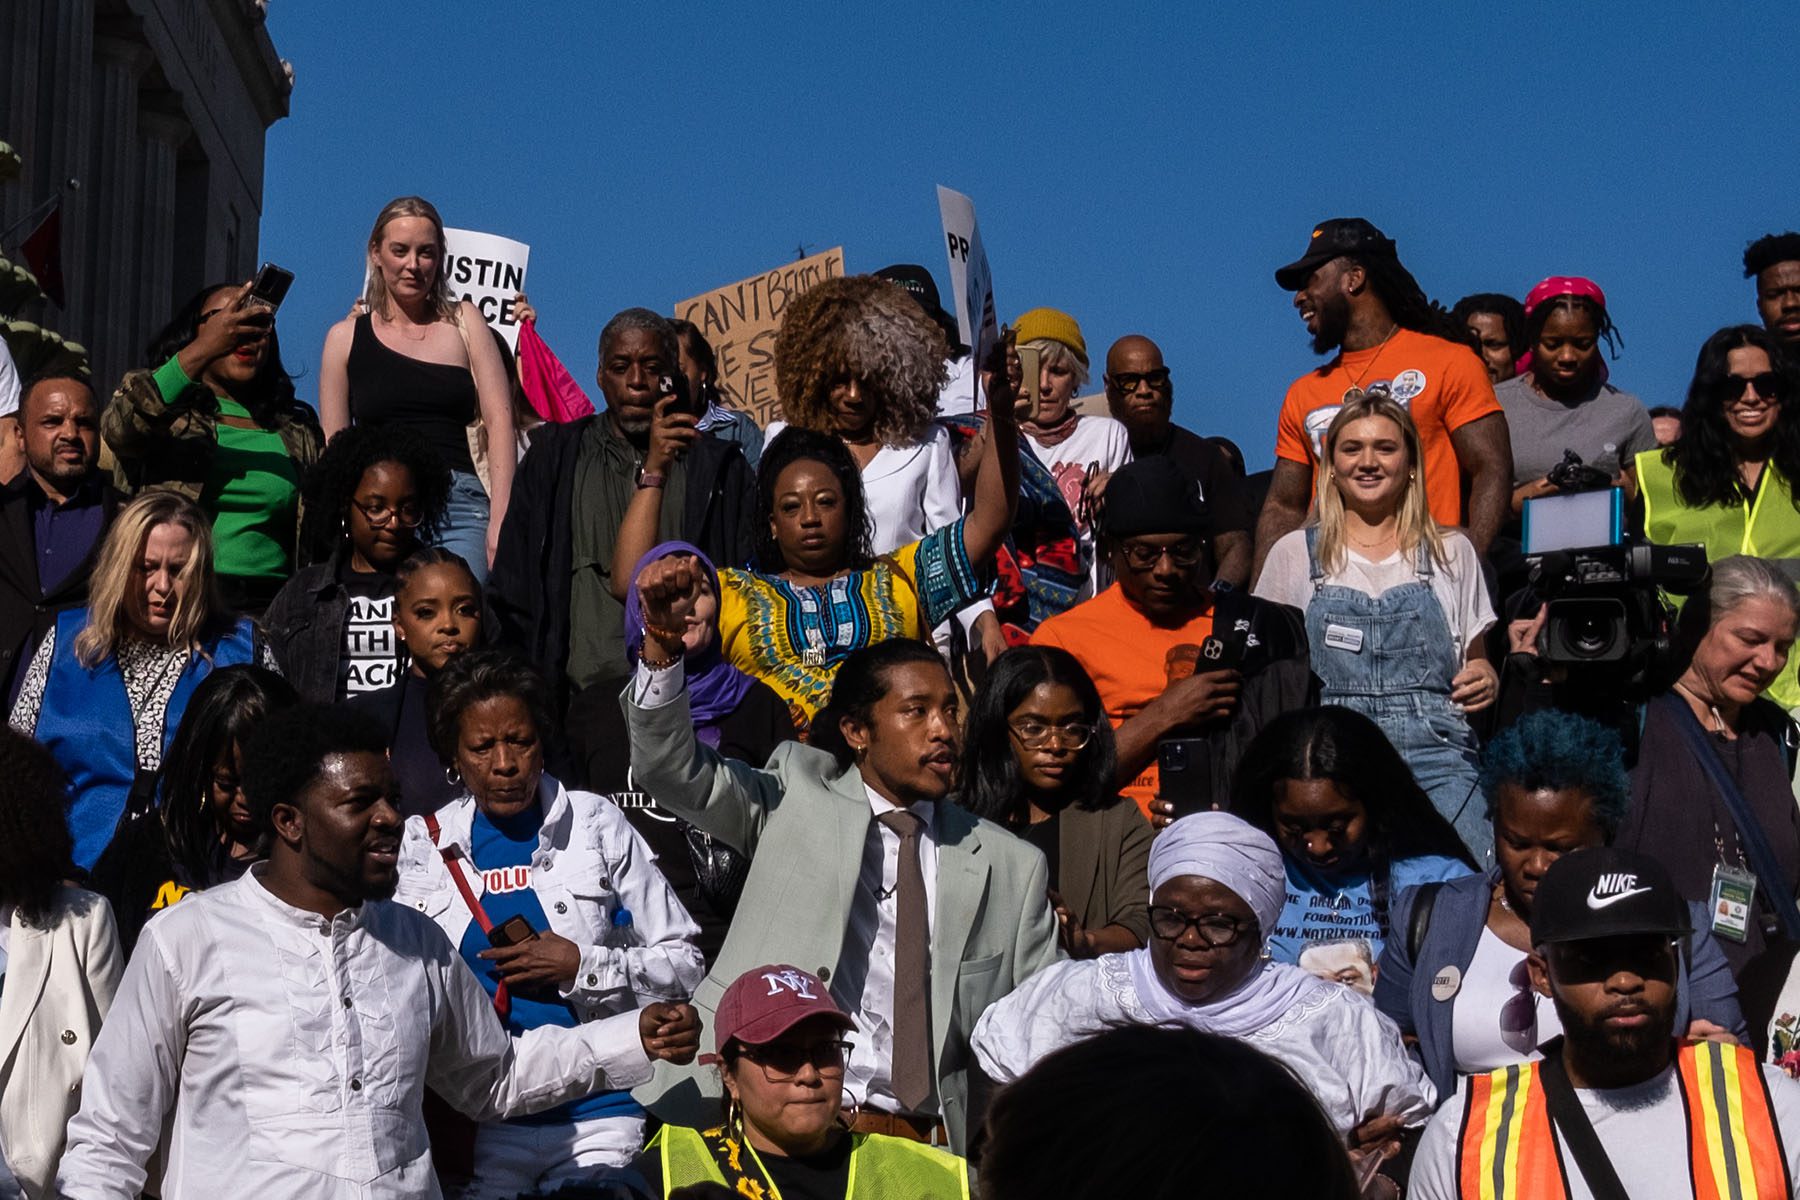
715,687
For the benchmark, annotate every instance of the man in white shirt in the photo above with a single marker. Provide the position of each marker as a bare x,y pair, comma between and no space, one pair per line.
292,1019
915,913
1617,1107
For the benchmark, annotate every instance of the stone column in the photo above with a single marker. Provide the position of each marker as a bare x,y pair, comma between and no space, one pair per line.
62,72
161,134
20,34
110,283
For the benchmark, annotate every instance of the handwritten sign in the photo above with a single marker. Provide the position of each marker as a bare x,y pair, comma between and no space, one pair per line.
740,321
488,271
971,282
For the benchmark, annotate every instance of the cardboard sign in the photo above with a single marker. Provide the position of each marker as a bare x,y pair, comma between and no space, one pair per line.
488,271
740,321
971,282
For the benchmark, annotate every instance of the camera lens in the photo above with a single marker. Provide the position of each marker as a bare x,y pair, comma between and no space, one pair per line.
1590,635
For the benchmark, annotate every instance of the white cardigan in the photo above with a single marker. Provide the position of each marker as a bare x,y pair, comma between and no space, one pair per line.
61,974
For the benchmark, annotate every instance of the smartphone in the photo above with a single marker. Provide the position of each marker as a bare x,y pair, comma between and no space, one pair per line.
677,386
270,287
1184,774
511,932
1031,397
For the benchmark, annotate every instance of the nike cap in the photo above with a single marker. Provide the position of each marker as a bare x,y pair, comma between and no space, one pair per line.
1605,892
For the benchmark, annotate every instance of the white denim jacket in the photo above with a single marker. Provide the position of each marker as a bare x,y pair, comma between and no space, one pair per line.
590,866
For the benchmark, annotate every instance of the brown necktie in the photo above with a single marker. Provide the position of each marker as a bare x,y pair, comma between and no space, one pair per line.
912,968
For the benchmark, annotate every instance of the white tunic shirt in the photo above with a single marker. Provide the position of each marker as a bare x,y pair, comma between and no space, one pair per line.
1335,1040
294,1051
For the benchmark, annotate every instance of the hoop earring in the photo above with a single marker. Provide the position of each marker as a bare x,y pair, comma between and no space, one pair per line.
453,777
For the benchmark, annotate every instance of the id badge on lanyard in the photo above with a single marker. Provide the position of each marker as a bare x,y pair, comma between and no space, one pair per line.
1733,896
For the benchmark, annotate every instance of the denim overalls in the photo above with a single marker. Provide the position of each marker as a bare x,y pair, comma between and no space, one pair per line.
1391,658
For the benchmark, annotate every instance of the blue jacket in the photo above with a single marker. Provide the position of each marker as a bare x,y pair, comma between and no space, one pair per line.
1705,989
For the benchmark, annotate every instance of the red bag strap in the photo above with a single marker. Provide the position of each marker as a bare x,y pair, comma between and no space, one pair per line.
453,864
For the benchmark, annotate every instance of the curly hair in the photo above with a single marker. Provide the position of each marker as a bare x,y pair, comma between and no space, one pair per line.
1560,751
989,777
870,330
223,711
1497,304
1769,249
1706,467
338,473
793,445
467,680
287,752
36,852
272,389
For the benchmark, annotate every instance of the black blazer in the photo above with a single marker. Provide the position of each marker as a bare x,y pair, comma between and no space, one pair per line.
25,616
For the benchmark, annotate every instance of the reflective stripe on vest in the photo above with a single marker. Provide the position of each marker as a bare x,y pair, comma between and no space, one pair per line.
1508,1151
880,1167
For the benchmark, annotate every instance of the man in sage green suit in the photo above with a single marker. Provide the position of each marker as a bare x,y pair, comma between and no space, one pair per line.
808,821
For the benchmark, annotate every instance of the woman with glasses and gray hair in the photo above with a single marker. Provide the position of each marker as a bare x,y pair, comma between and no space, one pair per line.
1216,890
376,496
1038,759
1396,608
1452,972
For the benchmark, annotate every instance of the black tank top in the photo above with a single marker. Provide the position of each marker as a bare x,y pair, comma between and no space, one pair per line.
437,399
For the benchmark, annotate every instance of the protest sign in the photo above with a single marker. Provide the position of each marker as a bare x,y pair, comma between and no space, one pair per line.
971,282
489,271
740,321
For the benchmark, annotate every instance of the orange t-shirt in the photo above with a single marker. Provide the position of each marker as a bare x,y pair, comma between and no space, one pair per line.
1126,655
1442,384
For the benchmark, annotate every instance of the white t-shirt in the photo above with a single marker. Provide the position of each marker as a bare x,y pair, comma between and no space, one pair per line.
1460,592
1099,444
908,490
1642,1128
1495,978
962,394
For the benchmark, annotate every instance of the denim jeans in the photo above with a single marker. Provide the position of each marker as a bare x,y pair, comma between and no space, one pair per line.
465,525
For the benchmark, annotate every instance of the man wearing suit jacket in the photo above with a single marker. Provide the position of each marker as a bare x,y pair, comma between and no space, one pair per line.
917,914
52,517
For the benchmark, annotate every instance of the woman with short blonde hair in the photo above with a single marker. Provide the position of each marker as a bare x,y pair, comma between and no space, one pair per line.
1396,606
109,682
415,355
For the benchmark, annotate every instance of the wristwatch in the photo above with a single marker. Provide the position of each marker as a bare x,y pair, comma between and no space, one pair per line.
650,479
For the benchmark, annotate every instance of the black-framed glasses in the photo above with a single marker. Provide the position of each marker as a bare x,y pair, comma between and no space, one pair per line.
379,515
1130,381
1215,929
1035,735
1142,556
781,1061
1766,385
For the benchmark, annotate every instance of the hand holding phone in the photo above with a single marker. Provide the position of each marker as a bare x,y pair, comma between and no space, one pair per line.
270,287
1031,391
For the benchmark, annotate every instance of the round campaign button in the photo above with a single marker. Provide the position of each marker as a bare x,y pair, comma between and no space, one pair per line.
1446,983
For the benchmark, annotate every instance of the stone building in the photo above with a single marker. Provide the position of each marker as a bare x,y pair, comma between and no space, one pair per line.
147,118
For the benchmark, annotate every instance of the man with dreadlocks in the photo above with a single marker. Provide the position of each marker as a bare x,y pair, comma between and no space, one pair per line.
1358,301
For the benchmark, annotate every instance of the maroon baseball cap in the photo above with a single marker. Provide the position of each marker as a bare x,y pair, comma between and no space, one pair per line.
762,1004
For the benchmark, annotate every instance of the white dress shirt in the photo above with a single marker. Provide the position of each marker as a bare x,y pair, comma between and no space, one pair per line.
294,1050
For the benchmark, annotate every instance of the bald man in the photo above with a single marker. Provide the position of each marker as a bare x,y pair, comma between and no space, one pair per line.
1141,396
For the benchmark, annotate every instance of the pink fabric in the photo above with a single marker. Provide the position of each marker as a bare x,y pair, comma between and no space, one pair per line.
1550,289
553,392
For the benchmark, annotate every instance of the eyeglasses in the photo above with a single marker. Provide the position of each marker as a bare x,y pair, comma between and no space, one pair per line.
1766,385
781,1061
1142,556
379,515
1215,929
1035,735
1129,381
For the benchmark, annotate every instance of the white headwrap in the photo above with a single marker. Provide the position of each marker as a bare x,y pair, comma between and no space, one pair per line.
1227,850
1232,852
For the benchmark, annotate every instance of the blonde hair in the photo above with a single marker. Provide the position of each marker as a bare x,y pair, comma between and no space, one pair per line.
1415,523
443,304
197,604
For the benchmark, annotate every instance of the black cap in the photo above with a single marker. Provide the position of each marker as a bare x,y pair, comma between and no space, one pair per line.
1153,495
1334,239
923,288
1605,892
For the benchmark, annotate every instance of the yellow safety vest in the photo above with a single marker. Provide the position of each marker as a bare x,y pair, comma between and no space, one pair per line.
1768,527
881,1168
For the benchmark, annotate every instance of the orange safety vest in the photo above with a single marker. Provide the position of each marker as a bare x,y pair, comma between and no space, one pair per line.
1509,1151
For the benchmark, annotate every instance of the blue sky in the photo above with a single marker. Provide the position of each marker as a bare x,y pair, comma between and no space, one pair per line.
1143,167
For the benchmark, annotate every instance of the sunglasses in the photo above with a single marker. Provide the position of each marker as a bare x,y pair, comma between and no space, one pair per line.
1129,381
1766,385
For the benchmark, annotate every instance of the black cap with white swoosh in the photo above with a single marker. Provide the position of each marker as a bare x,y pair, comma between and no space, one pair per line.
1606,892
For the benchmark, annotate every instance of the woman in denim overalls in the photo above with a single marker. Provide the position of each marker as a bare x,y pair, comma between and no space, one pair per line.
1395,606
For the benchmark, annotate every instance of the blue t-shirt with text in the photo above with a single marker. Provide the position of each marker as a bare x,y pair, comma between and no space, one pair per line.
502,852
1339,908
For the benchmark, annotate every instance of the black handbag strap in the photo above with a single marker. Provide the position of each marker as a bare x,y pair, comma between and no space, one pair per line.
1419,921
1750,830
1571,1121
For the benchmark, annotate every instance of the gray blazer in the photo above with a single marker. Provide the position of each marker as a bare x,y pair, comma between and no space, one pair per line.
1104,876
804,826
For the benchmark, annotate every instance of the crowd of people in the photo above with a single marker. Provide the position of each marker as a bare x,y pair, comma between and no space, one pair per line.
951,788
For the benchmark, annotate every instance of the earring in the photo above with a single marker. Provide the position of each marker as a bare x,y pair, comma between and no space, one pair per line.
453,777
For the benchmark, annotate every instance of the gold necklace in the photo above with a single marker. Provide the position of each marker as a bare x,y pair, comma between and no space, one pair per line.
1379,347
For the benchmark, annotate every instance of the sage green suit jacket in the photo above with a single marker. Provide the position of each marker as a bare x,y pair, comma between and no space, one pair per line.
804,825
